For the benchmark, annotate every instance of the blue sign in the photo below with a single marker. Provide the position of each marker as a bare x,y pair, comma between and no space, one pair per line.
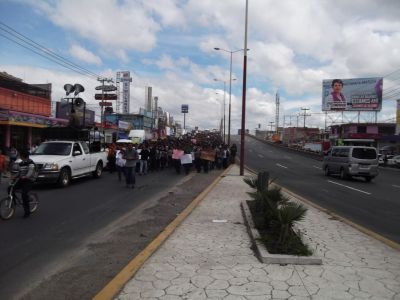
185,108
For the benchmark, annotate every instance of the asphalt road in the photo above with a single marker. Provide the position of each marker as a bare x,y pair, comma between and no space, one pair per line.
83,235
374,205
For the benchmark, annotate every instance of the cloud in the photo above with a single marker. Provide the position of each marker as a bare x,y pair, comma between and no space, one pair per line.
110,24
293,48
168,10
84,55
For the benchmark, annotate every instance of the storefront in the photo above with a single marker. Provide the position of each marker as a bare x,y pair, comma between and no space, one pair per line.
23,130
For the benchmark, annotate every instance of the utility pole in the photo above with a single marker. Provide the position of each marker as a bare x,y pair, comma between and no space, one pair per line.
305,115
271,124
277,112
102,80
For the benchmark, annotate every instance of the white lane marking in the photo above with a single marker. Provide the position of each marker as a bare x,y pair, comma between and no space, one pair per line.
260,155
279,165
349,187
319,168
398,186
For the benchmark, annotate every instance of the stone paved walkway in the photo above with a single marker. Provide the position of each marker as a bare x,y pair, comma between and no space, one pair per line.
207,258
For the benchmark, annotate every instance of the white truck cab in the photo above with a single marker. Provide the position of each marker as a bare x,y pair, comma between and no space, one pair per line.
59,161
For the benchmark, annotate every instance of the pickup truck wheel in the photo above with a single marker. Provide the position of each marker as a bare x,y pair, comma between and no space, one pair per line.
343,174
326,171
65,178
368,178
99,170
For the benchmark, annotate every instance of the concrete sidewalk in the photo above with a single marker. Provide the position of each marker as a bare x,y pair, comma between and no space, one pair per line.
208,258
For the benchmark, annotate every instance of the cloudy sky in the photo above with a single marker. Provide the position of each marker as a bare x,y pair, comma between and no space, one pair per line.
169,45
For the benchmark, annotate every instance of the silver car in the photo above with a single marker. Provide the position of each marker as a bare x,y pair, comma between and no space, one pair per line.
349,161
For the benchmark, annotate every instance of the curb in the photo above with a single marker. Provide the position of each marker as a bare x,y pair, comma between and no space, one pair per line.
263,254
118,282
368,232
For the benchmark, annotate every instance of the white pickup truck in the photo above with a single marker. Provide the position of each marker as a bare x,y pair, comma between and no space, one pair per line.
60,161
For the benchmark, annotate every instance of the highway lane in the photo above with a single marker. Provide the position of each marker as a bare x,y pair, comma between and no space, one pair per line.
374,205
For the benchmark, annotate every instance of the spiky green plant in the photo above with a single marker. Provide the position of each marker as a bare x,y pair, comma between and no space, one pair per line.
287,215
260,184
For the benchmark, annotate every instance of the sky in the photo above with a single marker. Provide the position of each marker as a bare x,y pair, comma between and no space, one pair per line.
169,45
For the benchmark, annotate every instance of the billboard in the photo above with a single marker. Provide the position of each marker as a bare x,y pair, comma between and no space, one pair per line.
125,78
358,94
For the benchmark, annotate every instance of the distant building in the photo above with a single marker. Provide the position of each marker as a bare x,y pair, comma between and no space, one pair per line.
376,134
296,135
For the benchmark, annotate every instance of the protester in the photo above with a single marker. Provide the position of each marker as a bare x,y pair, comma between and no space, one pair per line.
120,164
233,151
131,157
111,158
144,158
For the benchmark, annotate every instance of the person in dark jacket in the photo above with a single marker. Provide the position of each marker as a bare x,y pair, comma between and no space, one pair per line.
24,171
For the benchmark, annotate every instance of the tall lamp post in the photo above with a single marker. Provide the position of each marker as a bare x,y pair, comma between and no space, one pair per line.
230,89
244,94
224,103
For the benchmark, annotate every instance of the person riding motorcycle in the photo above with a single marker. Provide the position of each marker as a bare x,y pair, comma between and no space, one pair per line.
24,172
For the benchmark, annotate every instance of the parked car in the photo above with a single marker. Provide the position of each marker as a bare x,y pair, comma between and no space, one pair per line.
349,161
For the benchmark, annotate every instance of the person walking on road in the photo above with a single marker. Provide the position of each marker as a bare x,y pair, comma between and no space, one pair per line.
131,157
120,164
144,159
111,158
233,151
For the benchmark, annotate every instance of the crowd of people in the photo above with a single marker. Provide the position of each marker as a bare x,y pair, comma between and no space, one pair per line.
201,151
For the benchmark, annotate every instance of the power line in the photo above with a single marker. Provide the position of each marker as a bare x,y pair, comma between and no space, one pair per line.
48,54
57,62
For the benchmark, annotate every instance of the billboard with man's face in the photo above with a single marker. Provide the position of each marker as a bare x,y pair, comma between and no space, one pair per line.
358,94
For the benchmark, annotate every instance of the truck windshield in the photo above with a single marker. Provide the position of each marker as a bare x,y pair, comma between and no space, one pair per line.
364,153
53,149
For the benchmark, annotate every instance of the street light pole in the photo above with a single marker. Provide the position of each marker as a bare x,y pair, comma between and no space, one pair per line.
244,96
230,88
230,95
216,79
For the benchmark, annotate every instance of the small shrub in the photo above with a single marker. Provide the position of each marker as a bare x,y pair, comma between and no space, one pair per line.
275,216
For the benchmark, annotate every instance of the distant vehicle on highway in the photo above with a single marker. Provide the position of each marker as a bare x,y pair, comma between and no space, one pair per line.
381,159
396,160
349,161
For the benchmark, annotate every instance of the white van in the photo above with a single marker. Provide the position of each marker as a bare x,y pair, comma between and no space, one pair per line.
349,161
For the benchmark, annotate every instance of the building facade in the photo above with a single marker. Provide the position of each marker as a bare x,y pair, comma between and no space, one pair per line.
24,110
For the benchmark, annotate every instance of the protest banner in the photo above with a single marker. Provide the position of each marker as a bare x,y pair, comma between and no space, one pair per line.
208,155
